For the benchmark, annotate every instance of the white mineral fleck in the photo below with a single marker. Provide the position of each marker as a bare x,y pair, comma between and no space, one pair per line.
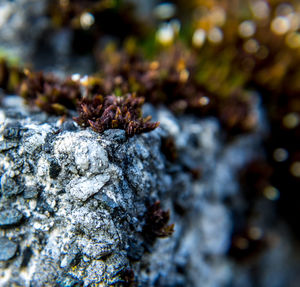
82,188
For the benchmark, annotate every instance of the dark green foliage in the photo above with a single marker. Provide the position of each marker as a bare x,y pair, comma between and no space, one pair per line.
10,76
4,74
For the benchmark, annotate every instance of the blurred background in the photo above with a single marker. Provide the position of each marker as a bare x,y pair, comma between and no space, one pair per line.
228,59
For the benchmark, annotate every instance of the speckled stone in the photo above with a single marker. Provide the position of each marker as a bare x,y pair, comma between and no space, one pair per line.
10,187
54,168
85,195
10,218
12,131
8,249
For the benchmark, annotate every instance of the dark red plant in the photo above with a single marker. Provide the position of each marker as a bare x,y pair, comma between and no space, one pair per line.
156,224
49,93
112,112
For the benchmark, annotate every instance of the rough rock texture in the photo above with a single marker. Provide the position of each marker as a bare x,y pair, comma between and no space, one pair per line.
73,202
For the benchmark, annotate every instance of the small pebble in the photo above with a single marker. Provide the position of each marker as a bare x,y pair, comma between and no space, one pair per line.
10,218
8,249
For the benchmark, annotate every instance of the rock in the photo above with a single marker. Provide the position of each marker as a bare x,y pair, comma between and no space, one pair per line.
94,249
27,254
8,249
4,145
69,126
31,192
10,187
17,18
10,217
85,198
54,168
82,189
135,251
12,131
69,282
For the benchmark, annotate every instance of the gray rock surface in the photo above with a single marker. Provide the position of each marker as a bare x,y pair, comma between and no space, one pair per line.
10,217
23,25
22,22
73,202
8,249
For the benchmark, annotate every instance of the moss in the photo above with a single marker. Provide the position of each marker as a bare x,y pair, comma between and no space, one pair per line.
10,76
59,97
156,223
112,112
128,278
50,94
169,149
177,79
